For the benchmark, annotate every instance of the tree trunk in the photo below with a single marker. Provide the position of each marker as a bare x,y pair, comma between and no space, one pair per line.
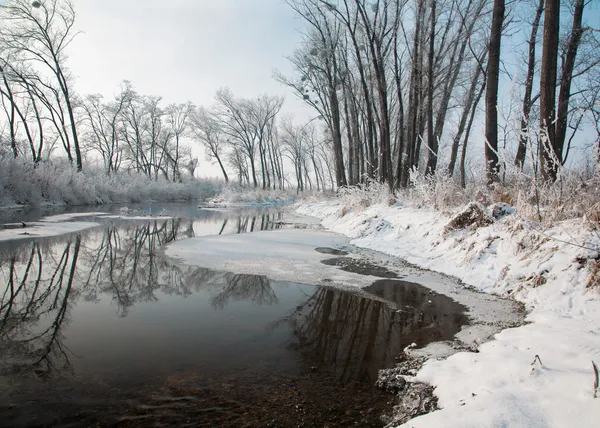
463,179
463,119
523,137
565,81
432,144
548,161
414,96
491,95
222,168
336,131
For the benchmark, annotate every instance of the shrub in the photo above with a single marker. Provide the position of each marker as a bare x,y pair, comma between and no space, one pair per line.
60,183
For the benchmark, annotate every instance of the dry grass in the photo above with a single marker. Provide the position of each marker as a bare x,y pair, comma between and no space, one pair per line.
574,195
594,278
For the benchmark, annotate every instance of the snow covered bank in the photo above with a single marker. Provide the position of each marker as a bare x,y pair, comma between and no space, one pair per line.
546,269
234,195
60,184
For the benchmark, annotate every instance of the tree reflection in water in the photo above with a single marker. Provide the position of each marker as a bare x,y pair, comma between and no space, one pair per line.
124,263
352,337
34,308
253,223
45,277
340,334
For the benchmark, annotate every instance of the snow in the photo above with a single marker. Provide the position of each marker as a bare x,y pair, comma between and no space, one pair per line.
282,255
44,229
48,226
137,217
66,217
61,224
512,257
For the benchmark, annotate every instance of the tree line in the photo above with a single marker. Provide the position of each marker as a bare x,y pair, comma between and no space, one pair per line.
399,82
43,116
396,87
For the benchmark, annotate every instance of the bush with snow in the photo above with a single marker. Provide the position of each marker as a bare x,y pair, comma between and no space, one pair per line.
237,194
58,183
365,195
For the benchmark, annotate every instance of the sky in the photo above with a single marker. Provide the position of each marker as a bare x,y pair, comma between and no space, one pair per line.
184,50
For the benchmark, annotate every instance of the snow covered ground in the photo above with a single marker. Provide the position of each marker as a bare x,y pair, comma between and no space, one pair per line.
504,384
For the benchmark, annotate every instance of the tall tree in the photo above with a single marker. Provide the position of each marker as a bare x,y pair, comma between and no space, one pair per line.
320,68
432,144
41,32
566,78
205,128
491,95
527,101
548,160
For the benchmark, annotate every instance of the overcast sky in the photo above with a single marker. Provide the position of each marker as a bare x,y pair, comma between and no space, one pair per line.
184,50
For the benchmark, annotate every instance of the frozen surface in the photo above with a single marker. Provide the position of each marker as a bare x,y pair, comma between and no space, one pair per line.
48,226
66,217
43,229
136,217
282,255
545,269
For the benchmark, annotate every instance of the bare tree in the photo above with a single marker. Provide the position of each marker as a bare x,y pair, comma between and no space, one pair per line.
527,100
566,78
104,121
41,33
318,64
206,129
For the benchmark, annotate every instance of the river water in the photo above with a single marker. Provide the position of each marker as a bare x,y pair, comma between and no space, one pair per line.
100,328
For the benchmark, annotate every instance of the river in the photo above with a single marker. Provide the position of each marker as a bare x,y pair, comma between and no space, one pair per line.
102,327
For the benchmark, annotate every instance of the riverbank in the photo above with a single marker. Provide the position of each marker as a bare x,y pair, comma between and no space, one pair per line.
23,184
536,375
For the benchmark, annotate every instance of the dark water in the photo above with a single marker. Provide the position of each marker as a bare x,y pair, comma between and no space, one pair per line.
98,328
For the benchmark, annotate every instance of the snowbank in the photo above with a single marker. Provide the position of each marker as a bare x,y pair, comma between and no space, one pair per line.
545,269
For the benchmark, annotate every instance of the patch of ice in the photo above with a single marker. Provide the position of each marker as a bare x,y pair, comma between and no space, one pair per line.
44,229
66,217
134,217
281,255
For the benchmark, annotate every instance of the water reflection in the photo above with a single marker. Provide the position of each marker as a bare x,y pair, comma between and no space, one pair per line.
227,287
43,278
34,308
123,262
208,323
423,315
353,337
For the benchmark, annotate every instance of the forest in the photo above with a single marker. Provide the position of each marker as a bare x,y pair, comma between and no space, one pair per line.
468,92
